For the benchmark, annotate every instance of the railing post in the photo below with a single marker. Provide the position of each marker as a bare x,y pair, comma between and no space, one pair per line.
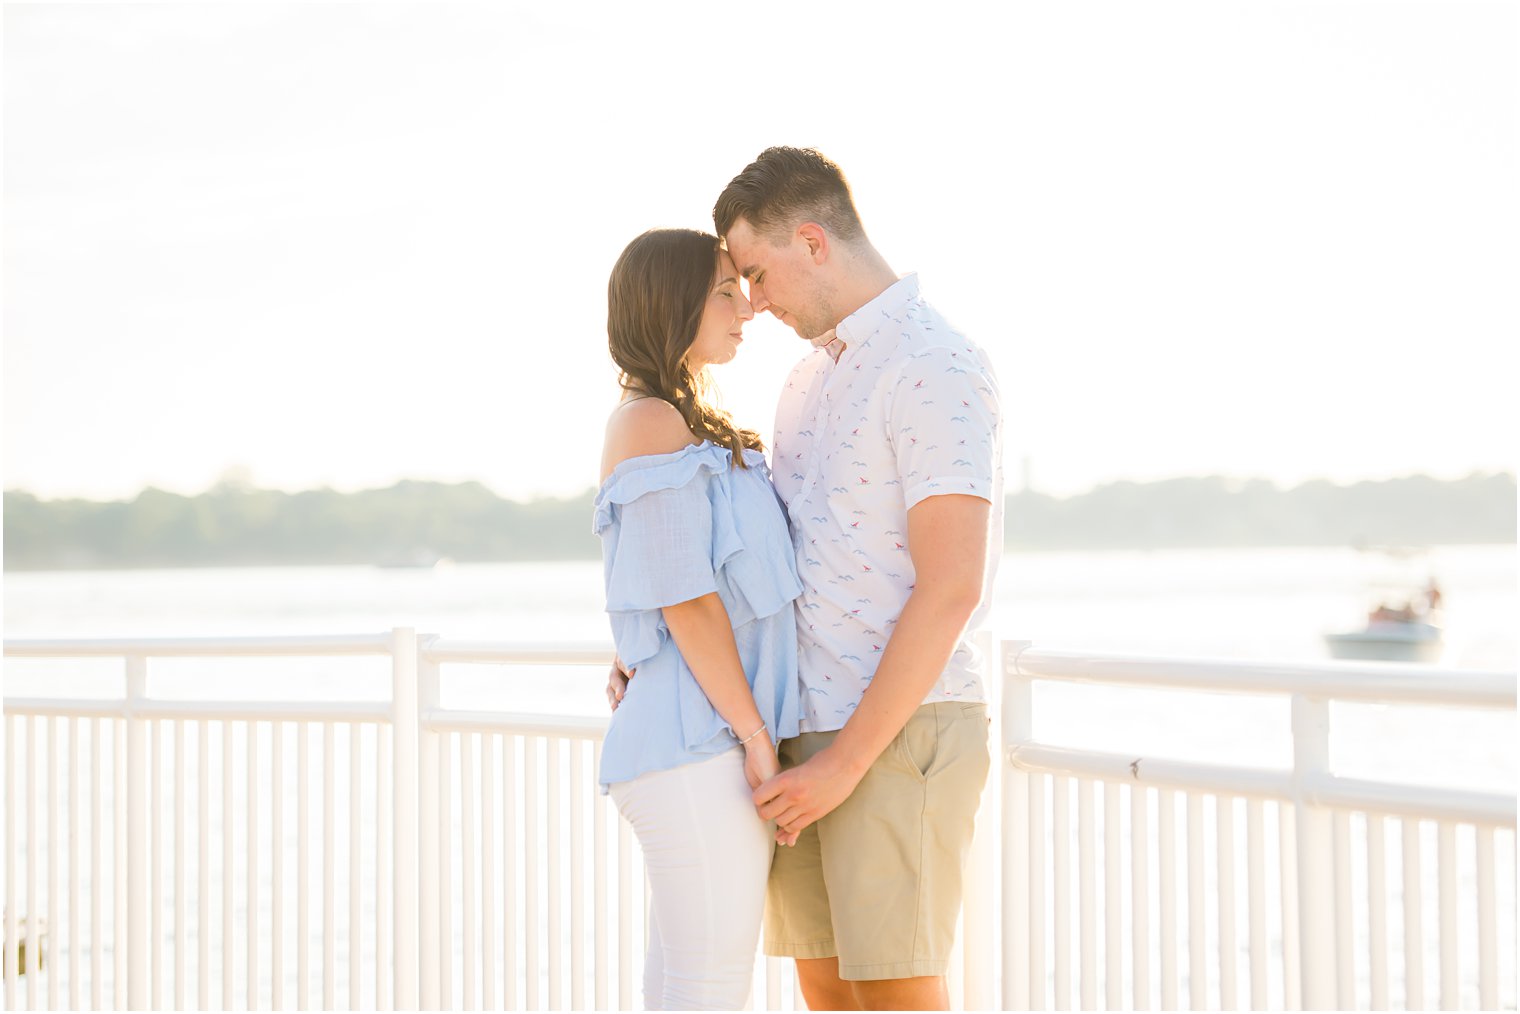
138,940
1316,844
430,885
404,826
1017,727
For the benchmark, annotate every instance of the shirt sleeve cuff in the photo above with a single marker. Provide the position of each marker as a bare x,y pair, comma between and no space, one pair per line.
963,485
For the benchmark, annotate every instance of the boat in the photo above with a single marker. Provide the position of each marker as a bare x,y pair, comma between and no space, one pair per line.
1408,632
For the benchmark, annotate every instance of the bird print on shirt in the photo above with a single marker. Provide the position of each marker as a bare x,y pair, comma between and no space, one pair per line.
914,414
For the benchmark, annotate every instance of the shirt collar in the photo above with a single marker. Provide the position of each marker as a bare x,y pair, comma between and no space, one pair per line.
866,321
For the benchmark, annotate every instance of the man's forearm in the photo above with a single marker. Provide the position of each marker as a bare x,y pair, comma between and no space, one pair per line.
927,633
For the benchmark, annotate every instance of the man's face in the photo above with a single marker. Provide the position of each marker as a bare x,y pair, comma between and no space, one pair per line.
782,279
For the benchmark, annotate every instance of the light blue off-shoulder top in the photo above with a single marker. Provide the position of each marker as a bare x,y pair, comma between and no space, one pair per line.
675,527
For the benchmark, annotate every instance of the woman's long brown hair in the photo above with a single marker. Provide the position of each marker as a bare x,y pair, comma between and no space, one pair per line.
655,298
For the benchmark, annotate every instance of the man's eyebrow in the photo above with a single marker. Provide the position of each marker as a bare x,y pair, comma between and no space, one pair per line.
748,271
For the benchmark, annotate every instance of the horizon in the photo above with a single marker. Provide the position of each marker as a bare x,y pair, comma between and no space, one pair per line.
1232,484
338,246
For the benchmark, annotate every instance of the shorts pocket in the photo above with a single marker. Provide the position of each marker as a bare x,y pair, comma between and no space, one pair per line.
918,742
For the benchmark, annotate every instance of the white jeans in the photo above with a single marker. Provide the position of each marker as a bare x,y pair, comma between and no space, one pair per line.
708,854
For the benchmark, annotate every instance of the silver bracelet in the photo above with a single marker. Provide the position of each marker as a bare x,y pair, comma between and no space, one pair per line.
752,735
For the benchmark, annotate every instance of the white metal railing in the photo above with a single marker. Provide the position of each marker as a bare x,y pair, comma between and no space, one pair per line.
478,867
1315,961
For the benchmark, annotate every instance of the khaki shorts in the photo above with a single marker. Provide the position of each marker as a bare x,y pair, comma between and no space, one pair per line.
877,882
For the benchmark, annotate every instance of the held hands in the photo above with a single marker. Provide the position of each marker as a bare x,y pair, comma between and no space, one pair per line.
801,795
760,760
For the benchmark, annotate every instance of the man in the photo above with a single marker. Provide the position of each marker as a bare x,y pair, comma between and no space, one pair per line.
887,452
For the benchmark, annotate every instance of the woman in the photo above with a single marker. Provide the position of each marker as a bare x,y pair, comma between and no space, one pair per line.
700,577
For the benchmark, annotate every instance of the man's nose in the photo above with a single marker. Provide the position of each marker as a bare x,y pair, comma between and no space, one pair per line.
757,300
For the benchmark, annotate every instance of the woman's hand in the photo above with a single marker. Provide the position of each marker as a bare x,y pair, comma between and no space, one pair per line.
760,760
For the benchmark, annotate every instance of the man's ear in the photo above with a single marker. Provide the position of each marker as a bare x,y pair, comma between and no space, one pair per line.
817,241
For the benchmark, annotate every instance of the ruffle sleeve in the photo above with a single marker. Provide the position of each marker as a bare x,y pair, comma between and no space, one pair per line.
671,531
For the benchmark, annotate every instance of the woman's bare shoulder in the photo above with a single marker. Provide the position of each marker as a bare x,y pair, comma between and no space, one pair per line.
640,427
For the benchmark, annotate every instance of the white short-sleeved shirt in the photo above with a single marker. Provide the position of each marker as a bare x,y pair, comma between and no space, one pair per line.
909,411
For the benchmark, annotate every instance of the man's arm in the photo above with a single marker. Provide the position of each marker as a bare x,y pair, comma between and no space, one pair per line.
947,542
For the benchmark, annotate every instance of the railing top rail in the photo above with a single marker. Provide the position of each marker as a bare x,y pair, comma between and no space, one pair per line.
201,647
520,653
1363,682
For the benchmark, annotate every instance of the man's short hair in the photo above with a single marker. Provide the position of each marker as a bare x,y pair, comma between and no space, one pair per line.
785,187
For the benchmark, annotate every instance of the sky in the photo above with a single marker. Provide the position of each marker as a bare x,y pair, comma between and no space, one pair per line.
347,244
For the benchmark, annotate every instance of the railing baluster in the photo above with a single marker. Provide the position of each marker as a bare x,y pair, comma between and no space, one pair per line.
467,861
1166,889
55,927
203,867
1256,903
1060,801
1037,926
155,855
1197,929
355,896
329,867
1287,856
1345,970
121,945
599,922
97,875
181,875
577,875
1140,904
384,792
446,868
509,797
488,870
229,876
531,932
1446,871
405,831
1224,817
1087,906
253,865
277,865
33,903
303,866
12,858
554,904
1377,913
1414,933
1113,946
1488,945
136,853
76,938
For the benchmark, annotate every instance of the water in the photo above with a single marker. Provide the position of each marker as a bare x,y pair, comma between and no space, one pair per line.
1262,604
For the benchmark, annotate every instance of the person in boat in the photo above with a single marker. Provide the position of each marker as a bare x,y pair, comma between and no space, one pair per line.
700,580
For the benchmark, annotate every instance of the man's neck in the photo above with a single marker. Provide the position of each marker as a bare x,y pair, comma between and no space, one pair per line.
869,276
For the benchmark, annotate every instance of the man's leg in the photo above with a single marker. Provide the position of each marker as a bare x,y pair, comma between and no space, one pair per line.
927,992
822,987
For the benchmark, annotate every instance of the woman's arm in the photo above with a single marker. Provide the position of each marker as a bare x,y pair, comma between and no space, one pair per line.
705,638
700,626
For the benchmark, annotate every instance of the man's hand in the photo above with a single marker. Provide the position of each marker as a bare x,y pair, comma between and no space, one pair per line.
801,795
617,682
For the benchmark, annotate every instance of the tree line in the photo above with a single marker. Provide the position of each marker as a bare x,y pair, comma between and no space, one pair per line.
414,523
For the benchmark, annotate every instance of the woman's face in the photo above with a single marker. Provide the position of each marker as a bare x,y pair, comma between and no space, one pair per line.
718,335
